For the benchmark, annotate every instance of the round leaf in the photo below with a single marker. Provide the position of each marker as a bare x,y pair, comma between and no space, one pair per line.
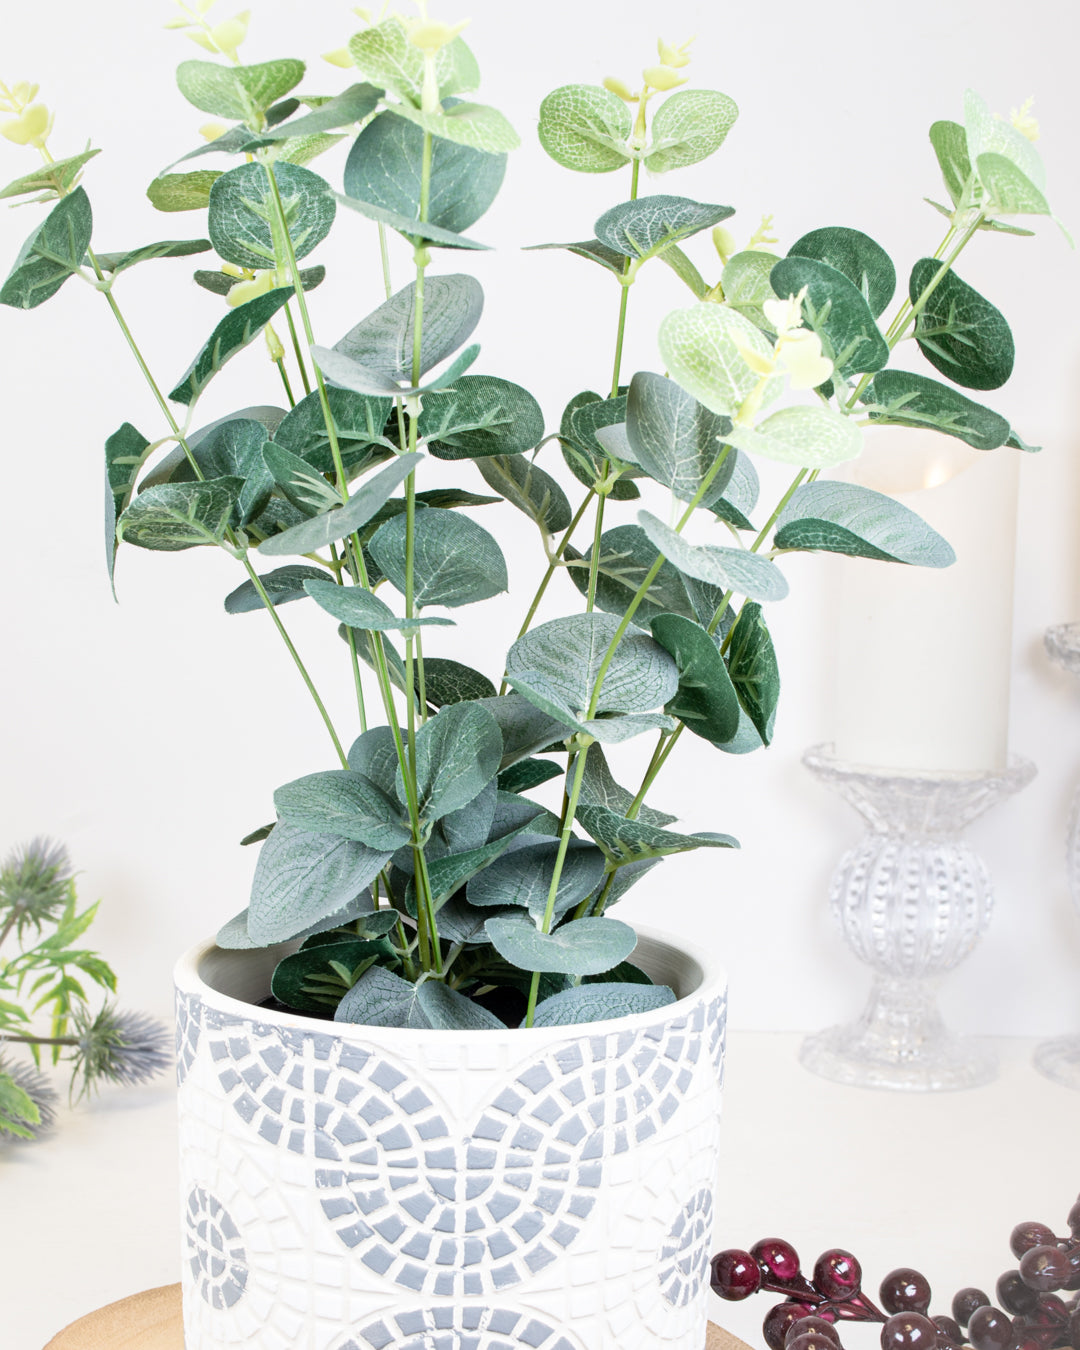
811,437
242,213
706,700
600,1003
959,332
836,310
735,569
582,947
458,752
699,349
674,438
847,518
644,226
864,262
456,561
586,128
690,126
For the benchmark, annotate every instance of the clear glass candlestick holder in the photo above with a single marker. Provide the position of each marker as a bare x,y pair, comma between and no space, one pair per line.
912,900
1059,1058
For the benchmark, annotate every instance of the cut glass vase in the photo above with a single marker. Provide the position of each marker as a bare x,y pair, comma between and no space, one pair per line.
912,900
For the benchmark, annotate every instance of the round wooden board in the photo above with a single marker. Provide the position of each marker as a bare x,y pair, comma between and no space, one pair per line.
153,1320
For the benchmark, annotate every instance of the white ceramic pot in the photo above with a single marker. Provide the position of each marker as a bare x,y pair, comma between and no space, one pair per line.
366,1188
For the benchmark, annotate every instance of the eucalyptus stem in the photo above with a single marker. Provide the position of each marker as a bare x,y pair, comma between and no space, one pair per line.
296,347
280,363
384,258
354,659
569,812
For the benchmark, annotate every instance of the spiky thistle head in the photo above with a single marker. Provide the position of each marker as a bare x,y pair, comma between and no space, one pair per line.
119,1047
35,885
27,1102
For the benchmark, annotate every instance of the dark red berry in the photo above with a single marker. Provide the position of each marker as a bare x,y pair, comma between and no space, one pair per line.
1014,1295
990,1329
948,1330
1074,1219
735,1274
1044,1268
965,1302
817,1326
1050,1311
1073,1327
837,1275
905,1290
778,1322
777,1258
811,1340
1027,1235
1072,1251
908,1331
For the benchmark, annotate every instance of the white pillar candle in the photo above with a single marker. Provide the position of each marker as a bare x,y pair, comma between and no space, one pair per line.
923,655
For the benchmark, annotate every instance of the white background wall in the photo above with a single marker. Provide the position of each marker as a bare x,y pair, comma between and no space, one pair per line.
150,735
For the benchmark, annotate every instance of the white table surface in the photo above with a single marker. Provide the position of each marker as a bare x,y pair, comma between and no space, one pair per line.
930,1180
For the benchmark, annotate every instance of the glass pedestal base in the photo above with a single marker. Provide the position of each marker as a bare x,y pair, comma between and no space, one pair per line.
899,1042
1059,1059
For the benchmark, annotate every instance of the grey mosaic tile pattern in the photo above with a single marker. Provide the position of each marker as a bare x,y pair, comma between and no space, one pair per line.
214,1251
460,1328
684,1258
419,1205
188,1010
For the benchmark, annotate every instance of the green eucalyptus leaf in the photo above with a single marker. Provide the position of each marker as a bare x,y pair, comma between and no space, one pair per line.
525,728
523,878
242,220
282,585
753,669
456,562
374,754
699,348
380,998
685,270
674,438
847,518
581,947
385,168
586,128
295,976
449,681
384,340
447,1010
449,874
299,482
836,309
302,877
690,126
345,803
183,191
351,105
1016,443
167,248
601,1002
54,252
1009,190
230,448
865,263
626,556
594,251
599,788
813,437
239,327
529,488
746,285
706,701
458,752
644,227
529,773
242,93
959,332
628,841
342,521
899,398
461,922
57,177
385,55
481,415
234,935
584,417
417,231
177,516
557,666
470,826
304,149
949,140
734,569
362,610
473,125
990,135
126,451
358,420
739,496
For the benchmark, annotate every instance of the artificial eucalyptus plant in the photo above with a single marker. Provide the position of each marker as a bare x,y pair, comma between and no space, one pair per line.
426,886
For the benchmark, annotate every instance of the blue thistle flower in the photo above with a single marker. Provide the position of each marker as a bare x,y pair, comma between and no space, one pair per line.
42,1095
35,885
121,1047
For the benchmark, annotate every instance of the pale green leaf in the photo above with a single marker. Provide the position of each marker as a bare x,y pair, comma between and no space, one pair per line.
698,346
242,93
811,437
586,128
645,226
385,55
690,126
674,438
474,125
183,191
733,569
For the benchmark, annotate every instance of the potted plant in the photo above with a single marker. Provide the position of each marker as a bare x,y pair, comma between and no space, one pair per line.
432,1091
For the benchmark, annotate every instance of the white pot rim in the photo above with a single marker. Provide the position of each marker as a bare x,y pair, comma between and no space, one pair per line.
700,973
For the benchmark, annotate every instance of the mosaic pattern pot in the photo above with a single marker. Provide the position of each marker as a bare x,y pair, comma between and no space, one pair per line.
364,1188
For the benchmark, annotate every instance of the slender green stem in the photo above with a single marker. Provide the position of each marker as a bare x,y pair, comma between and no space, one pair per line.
280,363
38,1040
384,256
598,534
354,659
421,681
560,858
296,348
